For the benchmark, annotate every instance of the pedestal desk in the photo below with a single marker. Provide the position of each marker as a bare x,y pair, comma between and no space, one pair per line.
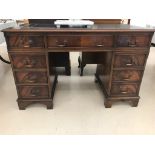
125,49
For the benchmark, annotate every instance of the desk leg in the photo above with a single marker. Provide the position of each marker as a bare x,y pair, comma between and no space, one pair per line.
81,66
54,86
135,102
107,103
109,100
81,69
23,103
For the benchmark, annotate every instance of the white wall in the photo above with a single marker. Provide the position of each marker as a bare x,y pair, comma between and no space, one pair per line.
145,23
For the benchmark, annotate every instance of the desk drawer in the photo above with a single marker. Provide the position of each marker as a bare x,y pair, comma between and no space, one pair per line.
97,41
124,89
63,41
129,60
129,40
33,91
21,61
25,41
32,77
127,75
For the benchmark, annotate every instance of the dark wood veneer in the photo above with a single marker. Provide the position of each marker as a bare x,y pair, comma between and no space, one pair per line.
123,53
27,61
25,41
127,75
133,40
124,89
33,91
31,77
129,60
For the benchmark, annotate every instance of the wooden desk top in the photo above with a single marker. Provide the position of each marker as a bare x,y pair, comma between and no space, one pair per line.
94,28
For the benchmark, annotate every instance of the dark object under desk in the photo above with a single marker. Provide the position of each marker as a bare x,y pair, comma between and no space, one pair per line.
125,50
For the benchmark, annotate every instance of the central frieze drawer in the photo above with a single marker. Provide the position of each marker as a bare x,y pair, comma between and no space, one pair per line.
63,41
127,75
33,91
128,40
129,60
31,77
21,61
124,89
25,41
80,41
97,41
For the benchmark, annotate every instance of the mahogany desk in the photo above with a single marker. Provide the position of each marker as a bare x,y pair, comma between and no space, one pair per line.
125,49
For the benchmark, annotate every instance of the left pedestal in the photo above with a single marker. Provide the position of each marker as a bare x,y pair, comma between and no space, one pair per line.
33,83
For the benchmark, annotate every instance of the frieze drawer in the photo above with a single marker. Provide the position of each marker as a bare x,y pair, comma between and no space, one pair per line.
99,41
25,41
63,41
139,40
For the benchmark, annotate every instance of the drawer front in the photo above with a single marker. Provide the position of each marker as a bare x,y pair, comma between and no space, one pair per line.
33,91
80,41
129,60
25,41
97,41
124,89
31,77
28,61
63,41
127,75
140,40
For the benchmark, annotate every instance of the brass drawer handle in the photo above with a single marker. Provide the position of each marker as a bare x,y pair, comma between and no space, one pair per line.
124,92
128,64
28,43
30,78
132,45
30,81
29,63
33,95
61,45
28,66
100,45
26,46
